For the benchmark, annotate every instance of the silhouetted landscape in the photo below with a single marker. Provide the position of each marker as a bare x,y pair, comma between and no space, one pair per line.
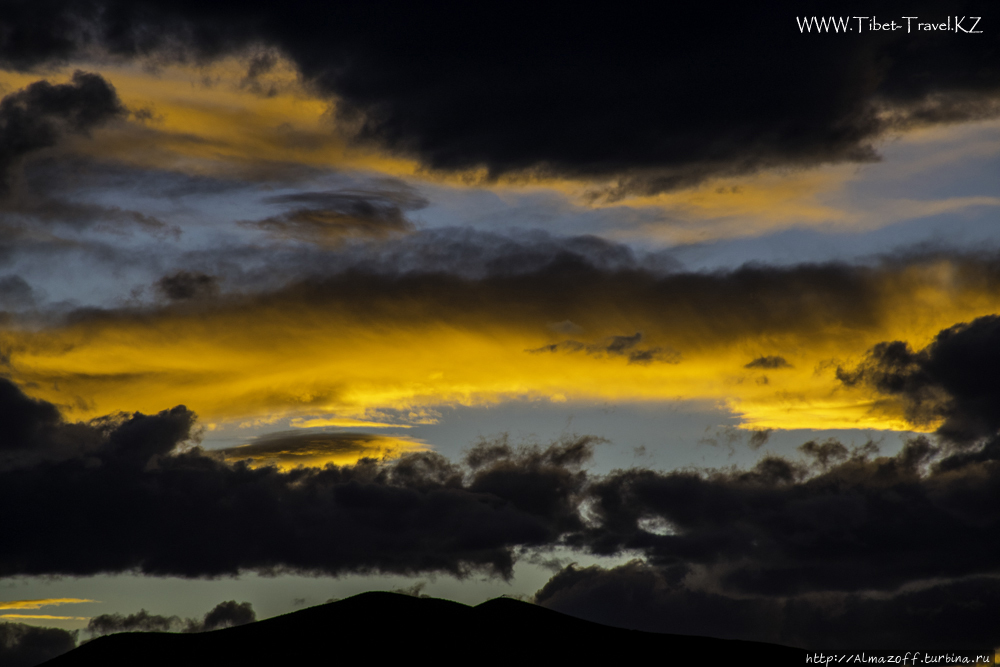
391,626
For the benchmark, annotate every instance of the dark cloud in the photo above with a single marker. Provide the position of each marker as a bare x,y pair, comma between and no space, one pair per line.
157,510
39,115
260,64
852,521
15,293
474,254
226,615
329,217
956,378
542,482
84,173
30,206
26,646
185,285
845,536
292,448
33,432
141,621
759,438
601,288
940,617
473,278
223,615
825,453
769,362
581,93
616,346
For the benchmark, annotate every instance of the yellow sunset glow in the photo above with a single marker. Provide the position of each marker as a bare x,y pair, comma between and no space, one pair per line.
335,364
317,450
38,604
209,120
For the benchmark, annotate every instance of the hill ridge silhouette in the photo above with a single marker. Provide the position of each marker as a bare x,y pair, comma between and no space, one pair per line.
395,626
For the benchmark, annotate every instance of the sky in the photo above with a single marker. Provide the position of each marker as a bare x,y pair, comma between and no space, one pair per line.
672,318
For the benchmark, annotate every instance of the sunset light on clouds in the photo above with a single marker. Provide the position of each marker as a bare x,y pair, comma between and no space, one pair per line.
298,301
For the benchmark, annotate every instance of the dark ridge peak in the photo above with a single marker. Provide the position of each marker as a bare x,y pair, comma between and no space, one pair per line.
388,626
526,616
382,602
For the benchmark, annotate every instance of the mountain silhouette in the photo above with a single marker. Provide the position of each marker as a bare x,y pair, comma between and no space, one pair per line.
381,626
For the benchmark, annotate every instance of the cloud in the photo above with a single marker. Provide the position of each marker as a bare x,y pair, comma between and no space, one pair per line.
141,621
158,509
26,646
753,92
853,521
842,535
226,615
759,438
46,116
39,115
769,362
15,293
330,217
953,380
290,449
945,616
358,333
38,604
223,615
185,285
616,346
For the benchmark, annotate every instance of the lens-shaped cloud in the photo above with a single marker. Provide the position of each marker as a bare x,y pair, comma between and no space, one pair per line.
290,449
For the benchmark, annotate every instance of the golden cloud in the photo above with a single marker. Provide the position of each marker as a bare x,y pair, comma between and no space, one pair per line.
345,349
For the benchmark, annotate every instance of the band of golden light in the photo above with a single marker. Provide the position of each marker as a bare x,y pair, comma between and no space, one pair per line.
324,359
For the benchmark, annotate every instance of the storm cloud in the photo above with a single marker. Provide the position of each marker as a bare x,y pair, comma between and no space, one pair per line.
420,513
943,616
26,646
841,535
954,380
329,217
652,97
39,115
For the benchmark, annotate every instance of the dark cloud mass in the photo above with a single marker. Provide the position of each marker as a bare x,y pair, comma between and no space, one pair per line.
223,615
26,646
310,449
769,362
478,280
940,617
141,621
15,293
420,513
784,528
874,548
36,117
185,285
42,116
333,216
658,97
956,379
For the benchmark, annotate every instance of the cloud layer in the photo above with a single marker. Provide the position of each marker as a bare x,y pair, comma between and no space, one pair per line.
803,551
582,93
438,319
419,513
